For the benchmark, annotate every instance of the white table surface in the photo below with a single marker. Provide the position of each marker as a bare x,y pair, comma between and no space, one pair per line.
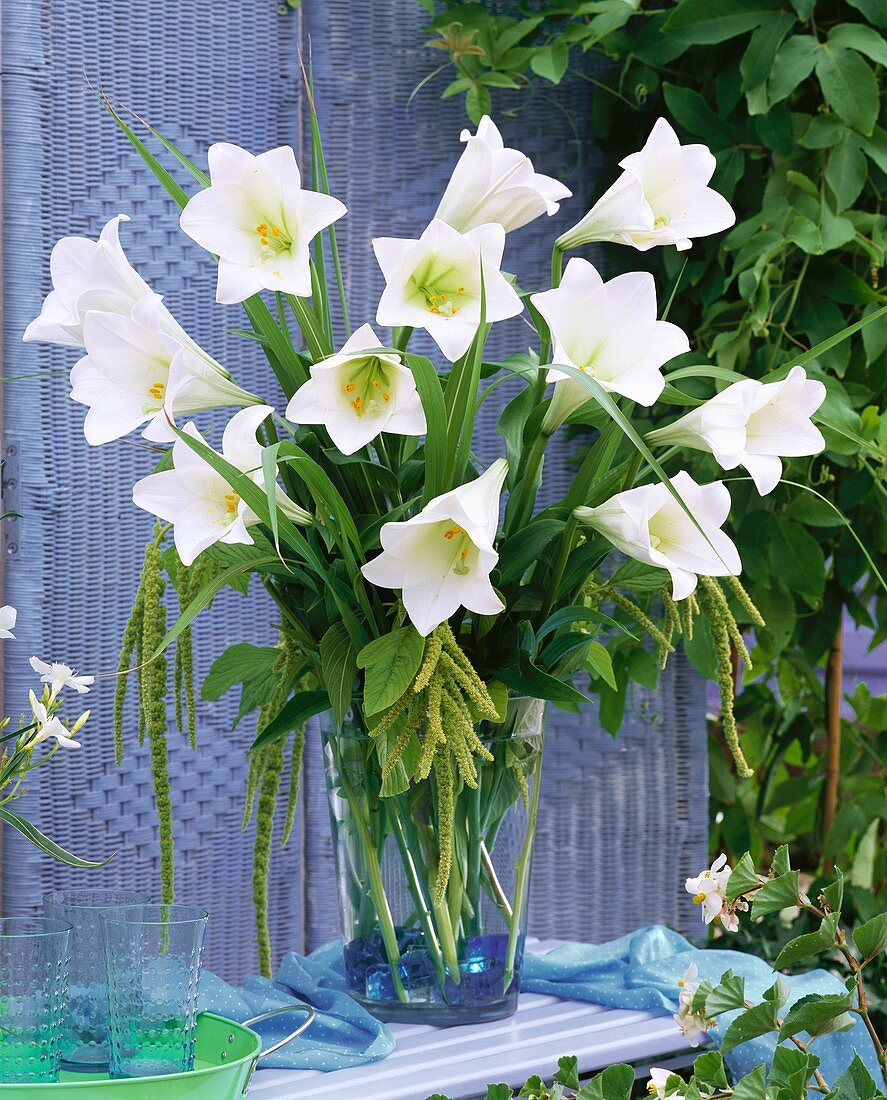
461,1061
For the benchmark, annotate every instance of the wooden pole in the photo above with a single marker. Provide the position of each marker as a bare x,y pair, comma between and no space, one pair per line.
833,694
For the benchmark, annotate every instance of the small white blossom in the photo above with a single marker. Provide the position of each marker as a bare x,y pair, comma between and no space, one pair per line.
691,1025
8,615
658,1081
709,890
60,676
50,725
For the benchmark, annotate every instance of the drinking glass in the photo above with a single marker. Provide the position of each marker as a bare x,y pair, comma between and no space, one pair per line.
85,1027
34,955
152,955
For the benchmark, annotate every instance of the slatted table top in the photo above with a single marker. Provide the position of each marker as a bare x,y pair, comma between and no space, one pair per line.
461,1061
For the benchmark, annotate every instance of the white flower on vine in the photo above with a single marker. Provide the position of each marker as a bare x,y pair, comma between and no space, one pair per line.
49,725
494,184
709,889
259,220
8,615
358,393
661,198
657,1083
442,558
60,676
692,1025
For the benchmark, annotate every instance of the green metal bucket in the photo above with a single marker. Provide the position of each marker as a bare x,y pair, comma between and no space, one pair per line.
226,1054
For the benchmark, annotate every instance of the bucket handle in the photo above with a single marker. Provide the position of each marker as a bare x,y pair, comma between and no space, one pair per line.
310,1016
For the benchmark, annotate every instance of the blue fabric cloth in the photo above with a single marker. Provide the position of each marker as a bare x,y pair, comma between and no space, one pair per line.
637,971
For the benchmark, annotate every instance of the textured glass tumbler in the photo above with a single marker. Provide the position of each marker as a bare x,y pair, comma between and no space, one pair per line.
34,955
85,1028
152,956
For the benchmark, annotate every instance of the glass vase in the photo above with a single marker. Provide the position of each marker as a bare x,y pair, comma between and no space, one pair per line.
410,955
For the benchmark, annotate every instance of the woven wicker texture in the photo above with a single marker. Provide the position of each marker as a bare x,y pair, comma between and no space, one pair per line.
618,814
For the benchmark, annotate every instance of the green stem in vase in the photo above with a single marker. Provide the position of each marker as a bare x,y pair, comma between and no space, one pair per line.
414,883
522,870
475,843
374,872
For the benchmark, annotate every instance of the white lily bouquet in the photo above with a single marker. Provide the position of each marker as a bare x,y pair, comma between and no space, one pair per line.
426,607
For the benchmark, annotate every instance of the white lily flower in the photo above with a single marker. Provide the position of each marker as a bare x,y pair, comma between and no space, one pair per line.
657,1083
8,615
661,198
493,184
753,424
435,283
135,373
87,275
610,331
442,558
197,500
60,676
50,725
358,393
257,218
648,524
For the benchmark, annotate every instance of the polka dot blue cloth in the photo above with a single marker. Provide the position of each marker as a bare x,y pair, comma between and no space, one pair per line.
638,971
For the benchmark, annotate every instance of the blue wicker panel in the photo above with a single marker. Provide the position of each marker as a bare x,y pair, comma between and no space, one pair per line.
201,72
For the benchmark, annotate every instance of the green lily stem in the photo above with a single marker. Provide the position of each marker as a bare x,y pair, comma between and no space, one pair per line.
475,842
495,886
521,504
400,337
521,874
376,887
415,887
564,552
557,268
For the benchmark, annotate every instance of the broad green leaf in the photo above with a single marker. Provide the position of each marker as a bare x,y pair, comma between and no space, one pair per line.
391,663
499,1092
797,559
249,665
574,614
527,679
753,1086
806,947
857,36
817,1015
792,1069
849,86
781,863
874,10
551,62
568,1072
757,61
834,894
42,841
871,937
293,715
615,1083
728,995
793,63
856,1083
431,396
339,668
525,547
600,664
846,169
823,132
743,878
823,346
709,1067
755,1021
398,779
703,22
690,110
776,894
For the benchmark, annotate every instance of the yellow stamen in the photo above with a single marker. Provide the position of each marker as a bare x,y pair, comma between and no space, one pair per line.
386,396
699,899
275,229
350,388
453,531
231,502
376,383
157,391
460,289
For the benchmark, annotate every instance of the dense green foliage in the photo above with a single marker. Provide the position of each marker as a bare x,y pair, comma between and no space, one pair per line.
786,94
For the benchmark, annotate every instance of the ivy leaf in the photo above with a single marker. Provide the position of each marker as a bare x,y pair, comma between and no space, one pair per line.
568,1072
805,947
834,894
856,1083
791,1069
871,937
752,1087
391,663
818,1014
758,1020
499,1092
615,1083
726,996
776,894
743,878
849,86
709,1067
781,864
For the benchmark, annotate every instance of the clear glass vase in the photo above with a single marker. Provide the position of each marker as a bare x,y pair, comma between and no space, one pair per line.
409,956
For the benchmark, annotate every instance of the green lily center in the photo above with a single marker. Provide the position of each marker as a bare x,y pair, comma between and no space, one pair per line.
367,385
440,287
273,239
460,547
